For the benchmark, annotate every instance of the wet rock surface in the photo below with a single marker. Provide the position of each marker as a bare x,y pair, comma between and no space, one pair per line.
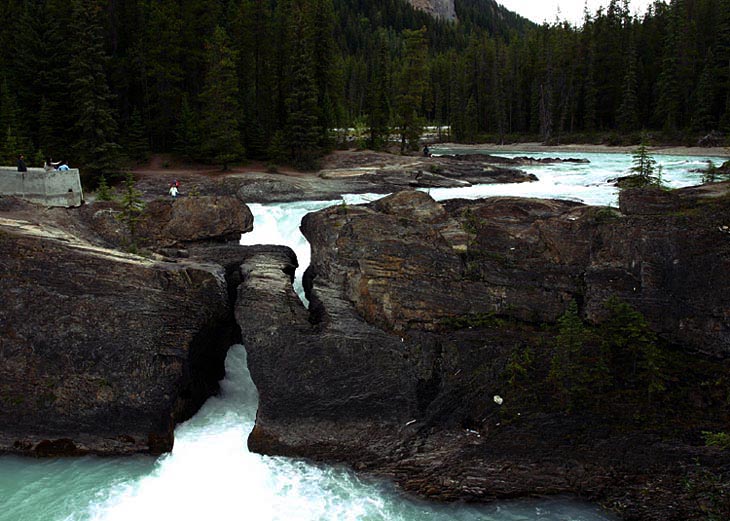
417,309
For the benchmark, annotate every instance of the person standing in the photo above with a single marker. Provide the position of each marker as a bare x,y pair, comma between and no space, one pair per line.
21,163
173,191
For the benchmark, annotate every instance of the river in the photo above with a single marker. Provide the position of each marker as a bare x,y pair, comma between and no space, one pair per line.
210,474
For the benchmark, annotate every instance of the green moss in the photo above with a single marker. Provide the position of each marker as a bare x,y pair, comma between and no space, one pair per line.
717,439
605,214
474,320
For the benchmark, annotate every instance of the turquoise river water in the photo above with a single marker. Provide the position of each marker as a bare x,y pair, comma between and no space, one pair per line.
210,474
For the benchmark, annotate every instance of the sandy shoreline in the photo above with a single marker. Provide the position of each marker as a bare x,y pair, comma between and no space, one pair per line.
539,147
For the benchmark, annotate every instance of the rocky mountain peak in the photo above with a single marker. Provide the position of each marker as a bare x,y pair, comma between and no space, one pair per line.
443,9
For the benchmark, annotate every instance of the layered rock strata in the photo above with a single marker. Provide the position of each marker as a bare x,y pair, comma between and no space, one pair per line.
417,308
103,351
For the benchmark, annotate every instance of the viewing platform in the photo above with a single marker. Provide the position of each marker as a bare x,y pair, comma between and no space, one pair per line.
49,188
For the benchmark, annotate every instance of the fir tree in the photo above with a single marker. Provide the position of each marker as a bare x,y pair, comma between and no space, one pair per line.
471,120
627,117
95,128
303,133
411,89
578,367
702,119
220,138
634,349
103,193
136,142
132,207
187,133
669,102
159,57
12,142
378,100
321,26
644,166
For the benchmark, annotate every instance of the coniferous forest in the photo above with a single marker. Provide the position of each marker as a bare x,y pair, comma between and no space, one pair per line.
105,83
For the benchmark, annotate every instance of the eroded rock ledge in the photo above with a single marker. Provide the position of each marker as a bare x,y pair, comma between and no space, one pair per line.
417,309
103,351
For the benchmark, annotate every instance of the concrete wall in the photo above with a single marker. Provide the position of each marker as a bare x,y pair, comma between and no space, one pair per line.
54,188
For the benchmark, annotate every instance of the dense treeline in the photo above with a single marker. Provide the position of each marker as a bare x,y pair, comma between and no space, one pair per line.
100,82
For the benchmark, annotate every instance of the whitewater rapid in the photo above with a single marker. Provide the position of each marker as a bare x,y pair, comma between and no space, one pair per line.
211,475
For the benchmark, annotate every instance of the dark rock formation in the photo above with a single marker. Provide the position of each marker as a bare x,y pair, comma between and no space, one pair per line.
514,161
165,223
418,308
102,351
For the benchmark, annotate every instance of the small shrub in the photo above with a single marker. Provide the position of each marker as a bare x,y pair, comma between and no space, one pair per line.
103,193
717,439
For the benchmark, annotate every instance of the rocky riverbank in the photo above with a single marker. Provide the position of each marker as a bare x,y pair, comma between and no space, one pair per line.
342,172
434,350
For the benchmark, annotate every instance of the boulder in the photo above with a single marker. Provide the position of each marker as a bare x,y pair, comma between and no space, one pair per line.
165,223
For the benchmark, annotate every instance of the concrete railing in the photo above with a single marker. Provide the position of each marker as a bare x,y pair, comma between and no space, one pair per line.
52,188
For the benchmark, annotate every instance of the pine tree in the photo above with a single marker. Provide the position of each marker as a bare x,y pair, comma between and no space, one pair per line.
702,118
94,123
627,117
578,367
411,89
378,101
136,143
321,25
669,97
644,166
132,207
251,36
471,120
187,133
103,193
158,56
220,138
302,130
633,345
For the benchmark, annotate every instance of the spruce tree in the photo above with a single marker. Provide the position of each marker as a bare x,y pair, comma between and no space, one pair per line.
411,87
251,36
187,133
702,118
220,137
471,120
321,25
136,143
159,57
669,97
103,193
132,207
627,117
644,166
302,130
378,100
94,124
